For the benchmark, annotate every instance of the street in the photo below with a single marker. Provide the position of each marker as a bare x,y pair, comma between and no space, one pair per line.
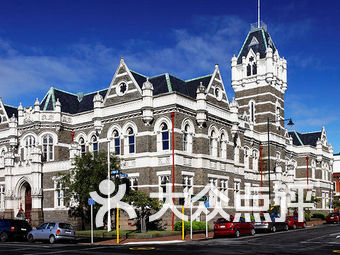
315,240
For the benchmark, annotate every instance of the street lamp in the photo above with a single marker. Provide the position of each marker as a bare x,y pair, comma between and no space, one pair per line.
290,123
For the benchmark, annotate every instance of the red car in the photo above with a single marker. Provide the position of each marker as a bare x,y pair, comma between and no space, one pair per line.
225,227
333,217
293,222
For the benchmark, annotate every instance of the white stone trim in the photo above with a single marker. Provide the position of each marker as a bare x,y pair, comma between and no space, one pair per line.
188,173
216,176
161,173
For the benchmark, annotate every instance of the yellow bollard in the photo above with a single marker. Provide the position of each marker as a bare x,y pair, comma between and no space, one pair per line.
117,224
182,222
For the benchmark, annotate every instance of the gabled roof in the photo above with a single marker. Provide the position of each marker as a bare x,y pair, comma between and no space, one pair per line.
10,110
305,138
258,40
164,83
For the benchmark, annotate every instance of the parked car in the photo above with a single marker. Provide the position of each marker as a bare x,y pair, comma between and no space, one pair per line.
271,226
333,217
13,229
52,232
225,227
293,222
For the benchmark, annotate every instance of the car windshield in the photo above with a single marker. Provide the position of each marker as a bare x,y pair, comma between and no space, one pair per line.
65,226
332,214
222,220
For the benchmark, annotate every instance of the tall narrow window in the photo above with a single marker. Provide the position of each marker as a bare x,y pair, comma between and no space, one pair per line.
252,111
2,197
59,195
82,146
131,140
162,184
47,148
223,146
254,69
185,138
29,144
165,136
248,70
116,140
94,141
212,143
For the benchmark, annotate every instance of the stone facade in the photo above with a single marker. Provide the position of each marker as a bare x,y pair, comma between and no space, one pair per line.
215,141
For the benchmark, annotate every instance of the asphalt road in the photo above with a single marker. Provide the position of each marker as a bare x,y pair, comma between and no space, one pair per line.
317,240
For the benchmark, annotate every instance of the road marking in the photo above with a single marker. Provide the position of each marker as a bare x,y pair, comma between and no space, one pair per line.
142,248
154,242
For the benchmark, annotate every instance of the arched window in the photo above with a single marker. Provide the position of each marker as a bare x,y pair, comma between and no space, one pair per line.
116,140
131,140
223,147
237,149
185,137
246,157
94,141
29,144
213,143
165,136
82,146
254,69
47,143
252,111
248,70
255,160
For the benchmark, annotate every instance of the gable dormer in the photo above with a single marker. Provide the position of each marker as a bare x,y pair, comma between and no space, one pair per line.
6,112
216,92
123,87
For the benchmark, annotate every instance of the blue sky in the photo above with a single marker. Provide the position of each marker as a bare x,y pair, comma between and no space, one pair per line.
76,46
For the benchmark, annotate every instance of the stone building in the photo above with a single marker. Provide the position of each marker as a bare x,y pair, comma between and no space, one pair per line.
216,141
336,176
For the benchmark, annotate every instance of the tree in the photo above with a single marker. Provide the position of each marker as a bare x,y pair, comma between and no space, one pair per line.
144,206
85,176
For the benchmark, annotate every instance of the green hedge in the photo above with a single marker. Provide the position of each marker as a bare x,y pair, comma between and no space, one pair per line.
319,215
196,226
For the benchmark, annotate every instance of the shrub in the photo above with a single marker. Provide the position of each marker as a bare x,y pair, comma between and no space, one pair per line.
307,217
196,226
319,215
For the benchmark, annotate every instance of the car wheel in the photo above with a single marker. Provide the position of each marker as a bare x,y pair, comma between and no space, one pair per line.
273,229
294,226
52,239
237,234
30,238
252,232
286,227
3,237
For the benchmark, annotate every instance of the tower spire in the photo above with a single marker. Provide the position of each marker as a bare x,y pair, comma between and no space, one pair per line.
258,13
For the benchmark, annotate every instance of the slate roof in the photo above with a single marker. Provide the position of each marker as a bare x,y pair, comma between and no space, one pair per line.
264,41
69,102
10,110
305,138
163,83
167,83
